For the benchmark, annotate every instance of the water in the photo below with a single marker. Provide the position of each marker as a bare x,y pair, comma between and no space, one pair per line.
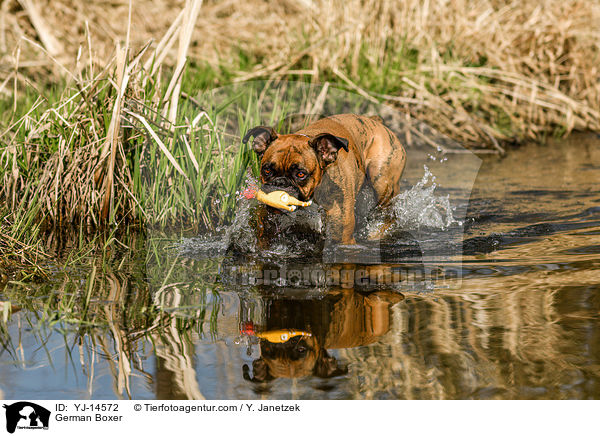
489,293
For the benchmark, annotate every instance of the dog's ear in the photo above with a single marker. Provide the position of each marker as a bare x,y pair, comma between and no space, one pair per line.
260,371
327,366
327,146
263,136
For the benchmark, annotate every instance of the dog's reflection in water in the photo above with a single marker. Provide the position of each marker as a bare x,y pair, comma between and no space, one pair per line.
304,331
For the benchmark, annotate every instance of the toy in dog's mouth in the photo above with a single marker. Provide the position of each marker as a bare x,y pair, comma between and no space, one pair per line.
277,199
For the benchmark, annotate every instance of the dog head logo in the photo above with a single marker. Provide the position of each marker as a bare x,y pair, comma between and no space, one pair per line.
26,415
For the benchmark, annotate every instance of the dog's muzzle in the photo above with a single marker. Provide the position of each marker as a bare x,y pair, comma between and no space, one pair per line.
282,184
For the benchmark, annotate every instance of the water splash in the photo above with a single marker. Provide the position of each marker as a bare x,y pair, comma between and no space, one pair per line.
293,235
418,208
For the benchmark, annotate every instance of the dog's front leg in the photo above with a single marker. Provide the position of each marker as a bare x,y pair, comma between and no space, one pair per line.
349,221
341,221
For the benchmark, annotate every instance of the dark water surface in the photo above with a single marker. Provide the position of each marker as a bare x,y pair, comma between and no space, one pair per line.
497,297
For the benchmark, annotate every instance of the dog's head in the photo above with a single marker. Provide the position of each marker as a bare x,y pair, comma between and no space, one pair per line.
293,163
299,357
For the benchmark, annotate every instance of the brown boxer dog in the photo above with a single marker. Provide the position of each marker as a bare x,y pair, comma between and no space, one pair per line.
329,161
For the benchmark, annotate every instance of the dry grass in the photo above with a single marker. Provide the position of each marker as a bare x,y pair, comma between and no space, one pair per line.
480,71
69,163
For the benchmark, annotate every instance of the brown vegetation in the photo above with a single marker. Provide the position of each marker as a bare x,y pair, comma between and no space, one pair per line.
480,71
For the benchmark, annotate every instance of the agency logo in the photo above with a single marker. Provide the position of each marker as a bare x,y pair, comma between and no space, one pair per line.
26,415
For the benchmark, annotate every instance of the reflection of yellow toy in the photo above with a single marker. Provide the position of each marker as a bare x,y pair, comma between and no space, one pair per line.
281,200
281,336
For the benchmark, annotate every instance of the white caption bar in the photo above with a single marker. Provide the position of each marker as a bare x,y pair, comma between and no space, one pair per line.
23,417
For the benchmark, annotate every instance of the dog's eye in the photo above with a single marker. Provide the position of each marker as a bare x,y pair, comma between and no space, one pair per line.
267,171
301,174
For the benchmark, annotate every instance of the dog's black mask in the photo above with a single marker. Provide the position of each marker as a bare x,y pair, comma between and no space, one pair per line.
282,184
